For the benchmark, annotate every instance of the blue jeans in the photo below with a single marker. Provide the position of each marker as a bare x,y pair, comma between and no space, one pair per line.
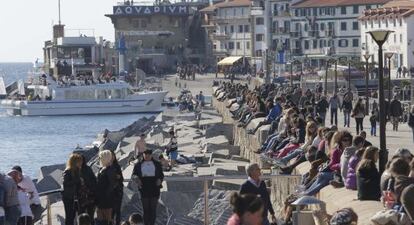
321,181
12,214
2,220
347,117
334,116
373,130
293,154
323,116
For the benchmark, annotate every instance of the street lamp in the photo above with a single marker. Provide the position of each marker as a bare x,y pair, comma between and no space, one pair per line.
389,55
366,57
325,90
334,60
380,37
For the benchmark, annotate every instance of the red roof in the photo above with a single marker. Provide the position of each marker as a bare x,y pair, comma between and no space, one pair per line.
326,3
228,4
392,9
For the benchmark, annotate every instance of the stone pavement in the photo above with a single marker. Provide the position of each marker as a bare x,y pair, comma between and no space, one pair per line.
403,138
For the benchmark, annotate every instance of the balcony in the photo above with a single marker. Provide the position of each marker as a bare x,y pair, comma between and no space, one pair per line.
220,52
281,13
280,31
314,33
297,51
221,36
296,34
330,33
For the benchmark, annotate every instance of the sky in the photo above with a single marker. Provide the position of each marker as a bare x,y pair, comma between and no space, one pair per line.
26,24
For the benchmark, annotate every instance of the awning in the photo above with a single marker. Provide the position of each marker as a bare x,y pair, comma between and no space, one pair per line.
228,61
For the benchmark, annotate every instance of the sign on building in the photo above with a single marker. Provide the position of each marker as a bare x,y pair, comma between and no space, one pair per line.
149,10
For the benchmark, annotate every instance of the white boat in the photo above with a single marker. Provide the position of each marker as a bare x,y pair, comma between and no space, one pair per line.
54,99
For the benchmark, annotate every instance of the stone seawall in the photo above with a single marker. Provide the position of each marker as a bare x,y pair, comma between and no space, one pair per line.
283,186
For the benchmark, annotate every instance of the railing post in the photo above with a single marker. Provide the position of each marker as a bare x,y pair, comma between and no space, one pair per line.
206,217
49,212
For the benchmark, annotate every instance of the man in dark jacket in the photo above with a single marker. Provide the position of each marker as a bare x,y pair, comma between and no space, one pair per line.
254,185
11,207
149,176
322,107
395,112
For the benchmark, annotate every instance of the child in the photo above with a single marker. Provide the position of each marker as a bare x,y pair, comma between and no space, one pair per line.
373,120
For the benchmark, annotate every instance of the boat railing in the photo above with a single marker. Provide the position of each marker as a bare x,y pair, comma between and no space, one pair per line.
287,181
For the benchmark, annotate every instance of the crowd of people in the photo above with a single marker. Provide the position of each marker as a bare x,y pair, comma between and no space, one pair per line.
298,133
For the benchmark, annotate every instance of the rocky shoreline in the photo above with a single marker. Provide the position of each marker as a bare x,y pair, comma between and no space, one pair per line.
208,142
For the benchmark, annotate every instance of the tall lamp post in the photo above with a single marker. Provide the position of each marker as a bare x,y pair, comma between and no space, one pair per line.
389,55
349,75
380,37
366,57
325,89
333,60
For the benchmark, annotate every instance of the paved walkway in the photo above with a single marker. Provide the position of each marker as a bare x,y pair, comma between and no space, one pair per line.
401,139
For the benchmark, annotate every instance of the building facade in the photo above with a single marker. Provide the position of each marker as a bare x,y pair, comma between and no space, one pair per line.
397,16
158,37
320,29
228,26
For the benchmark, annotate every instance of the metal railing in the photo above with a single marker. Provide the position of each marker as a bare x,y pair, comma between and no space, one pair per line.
204,179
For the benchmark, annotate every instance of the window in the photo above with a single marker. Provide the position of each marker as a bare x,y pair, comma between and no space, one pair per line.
259,37
343,10
379,23
400,21
231,29
321,43
258,52
372,24
296,12
355,9
395,22
246,28
401,38
343,26
368,7
355,42
238,45
259,21
143,23
366,24
395,38
386,23
343,43
225,29
331,43
354,25
240,28
306,44
231,45
248,45
315,11
315,44
306,27
322,26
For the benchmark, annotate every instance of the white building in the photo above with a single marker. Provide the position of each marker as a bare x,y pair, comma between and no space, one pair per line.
230,28
320,28
397,16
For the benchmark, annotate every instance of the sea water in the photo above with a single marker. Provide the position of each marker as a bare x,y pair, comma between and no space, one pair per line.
32,142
